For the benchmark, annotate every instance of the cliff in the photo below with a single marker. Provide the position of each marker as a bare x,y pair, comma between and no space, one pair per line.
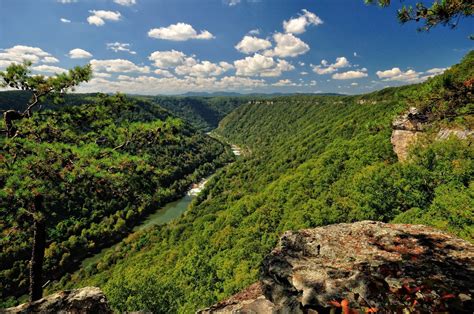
362,267
86,300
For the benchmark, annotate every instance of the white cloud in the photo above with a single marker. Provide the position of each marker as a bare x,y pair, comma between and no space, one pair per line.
259,65
350,75
116,47
354,84
313,83
326,68
436,71
65,20
78,53
151,85
285,82
395,74
179,32
102,74
48,69
66,1
126,2
408,76
203,69
118,66
255,31
164,73
304,73
287,45
232,2
50,60
99,17
173,58
298,25
20,53
250,44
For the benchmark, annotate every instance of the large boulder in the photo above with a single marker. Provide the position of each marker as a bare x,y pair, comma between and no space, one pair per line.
365,267
86,300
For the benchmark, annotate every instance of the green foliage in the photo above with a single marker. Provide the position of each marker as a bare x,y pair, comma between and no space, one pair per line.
444,12
101,167
313,161
19,76
204,113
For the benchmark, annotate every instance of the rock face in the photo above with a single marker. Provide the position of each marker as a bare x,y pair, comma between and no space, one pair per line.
406,128
85,300
364,267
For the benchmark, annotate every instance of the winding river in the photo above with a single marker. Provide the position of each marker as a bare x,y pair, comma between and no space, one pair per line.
162,215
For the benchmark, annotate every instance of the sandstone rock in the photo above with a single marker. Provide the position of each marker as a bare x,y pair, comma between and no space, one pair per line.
405,131
366,265
461,134
85,300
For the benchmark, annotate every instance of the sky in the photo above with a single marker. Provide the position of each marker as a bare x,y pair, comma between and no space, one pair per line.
177,46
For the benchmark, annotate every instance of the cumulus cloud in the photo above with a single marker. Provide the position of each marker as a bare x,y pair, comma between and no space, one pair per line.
151,85
102,74
326,68
260,65
395,74
78,53
299,24
250,44
118,66
164,73
99,17
65,20
179,32
66,1
436,71
50,60
48,69
172,58
126,2
350,75
203,69
20,53
287,45
255,31
285,82
116,47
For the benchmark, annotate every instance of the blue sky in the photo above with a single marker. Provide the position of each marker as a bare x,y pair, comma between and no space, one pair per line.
176,46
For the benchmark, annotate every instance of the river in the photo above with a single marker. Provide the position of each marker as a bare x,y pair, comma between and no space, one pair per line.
162,215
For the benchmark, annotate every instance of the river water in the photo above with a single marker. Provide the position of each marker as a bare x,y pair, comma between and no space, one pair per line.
162,215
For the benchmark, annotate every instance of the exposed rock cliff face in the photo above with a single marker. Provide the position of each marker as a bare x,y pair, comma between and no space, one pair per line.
408,126
364,266
86,300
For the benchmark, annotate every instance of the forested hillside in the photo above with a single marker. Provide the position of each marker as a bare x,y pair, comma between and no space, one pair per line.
203,113
313,161
101,167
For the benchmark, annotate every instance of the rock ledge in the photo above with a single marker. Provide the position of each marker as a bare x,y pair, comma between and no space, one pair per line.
85,300
364,266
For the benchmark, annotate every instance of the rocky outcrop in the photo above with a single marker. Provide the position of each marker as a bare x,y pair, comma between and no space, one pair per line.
85,300
406,129
362,267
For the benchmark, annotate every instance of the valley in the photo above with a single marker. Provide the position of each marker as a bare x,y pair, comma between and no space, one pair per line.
236,156
315,161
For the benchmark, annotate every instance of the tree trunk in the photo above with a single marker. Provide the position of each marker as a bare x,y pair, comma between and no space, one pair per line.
9,116
37,256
